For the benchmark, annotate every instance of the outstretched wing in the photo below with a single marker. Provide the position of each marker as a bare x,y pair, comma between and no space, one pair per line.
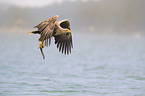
46,29
64,42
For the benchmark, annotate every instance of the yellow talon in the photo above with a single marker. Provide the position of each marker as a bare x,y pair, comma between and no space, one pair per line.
41,45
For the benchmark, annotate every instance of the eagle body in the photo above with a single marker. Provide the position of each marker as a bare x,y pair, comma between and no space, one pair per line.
60,30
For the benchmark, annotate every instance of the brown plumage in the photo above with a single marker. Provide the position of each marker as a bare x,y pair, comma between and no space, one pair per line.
60,30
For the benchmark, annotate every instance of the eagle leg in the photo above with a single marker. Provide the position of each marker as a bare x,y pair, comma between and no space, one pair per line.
41,46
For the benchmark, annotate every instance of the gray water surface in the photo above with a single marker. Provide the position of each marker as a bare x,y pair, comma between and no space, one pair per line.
100,65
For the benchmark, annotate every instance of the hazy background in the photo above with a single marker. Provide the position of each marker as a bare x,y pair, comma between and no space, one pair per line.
107,59
118,16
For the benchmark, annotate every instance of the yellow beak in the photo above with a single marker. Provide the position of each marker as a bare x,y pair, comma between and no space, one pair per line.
68,31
